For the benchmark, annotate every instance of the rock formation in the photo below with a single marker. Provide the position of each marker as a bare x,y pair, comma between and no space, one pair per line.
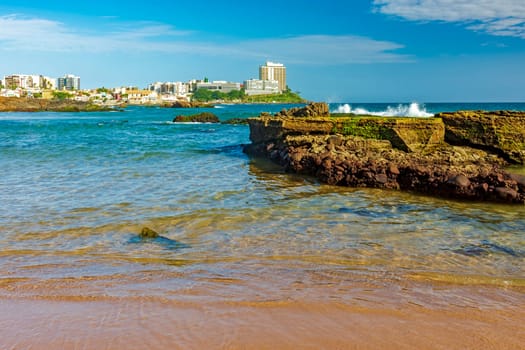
204,117
502,132
21,104
394,153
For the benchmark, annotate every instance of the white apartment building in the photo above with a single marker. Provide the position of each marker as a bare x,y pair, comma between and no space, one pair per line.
218,85
261,87
170,88
30,82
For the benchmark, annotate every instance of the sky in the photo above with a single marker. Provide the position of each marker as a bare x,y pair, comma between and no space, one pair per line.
334,50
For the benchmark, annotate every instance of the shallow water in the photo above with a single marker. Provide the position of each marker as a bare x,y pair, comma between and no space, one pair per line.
77,189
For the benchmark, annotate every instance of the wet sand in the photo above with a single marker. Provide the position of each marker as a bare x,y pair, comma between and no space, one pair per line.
140,322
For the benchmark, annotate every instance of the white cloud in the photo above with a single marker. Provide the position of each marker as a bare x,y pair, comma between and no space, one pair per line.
19,33
501,17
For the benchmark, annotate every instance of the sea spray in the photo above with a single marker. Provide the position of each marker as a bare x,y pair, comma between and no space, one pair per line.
411,110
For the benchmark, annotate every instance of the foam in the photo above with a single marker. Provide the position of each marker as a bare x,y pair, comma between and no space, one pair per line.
413,109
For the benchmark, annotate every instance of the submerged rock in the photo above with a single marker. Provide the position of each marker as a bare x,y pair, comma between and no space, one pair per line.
148,235
204,117
236,121
146,232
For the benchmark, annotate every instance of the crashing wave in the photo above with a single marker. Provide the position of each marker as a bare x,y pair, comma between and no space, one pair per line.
411,110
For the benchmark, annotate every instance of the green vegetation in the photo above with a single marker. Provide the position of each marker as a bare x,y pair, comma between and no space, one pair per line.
61,95
286,97
205,95
367,128
103,89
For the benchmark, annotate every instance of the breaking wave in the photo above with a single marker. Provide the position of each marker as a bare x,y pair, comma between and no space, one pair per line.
411,110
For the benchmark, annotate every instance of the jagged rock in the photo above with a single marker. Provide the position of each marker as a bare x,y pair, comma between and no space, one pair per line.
502,132
311,110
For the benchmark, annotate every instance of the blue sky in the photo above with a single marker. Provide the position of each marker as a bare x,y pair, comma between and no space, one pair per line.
335,51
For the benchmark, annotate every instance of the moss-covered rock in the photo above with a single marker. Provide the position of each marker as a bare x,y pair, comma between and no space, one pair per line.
407,134
204,117
236,121
501,132
146,232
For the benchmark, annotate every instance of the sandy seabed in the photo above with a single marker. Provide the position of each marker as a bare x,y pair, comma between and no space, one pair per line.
129,323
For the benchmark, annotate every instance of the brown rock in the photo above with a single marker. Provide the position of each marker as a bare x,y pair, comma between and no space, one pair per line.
505,193
459,181
381,178
393,169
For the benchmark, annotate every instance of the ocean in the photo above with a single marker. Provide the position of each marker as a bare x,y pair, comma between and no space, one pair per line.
77,189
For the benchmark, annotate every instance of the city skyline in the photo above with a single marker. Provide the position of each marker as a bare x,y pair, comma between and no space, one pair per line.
371,51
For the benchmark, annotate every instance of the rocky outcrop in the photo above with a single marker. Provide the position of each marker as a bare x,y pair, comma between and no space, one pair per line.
188,104
22,104
407,134
204,117
502,132
397,153
236,121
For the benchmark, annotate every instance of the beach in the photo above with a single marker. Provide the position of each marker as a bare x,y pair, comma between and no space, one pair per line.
419,316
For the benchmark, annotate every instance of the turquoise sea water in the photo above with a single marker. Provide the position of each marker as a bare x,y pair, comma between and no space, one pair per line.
77,188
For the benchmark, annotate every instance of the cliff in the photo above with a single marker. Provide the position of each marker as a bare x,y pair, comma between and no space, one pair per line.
426,155
21,104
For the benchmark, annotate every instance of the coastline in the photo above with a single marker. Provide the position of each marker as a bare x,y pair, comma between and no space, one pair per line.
249,256
21,104
405,315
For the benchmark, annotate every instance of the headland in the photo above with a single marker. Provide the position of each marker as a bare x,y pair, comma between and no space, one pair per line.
25,104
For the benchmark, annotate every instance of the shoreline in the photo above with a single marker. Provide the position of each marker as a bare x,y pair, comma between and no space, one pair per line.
394,321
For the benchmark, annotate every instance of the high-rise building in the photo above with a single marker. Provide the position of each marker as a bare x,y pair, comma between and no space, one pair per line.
274,71
23,81
68,82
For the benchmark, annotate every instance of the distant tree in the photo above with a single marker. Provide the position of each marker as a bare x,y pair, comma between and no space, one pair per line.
61,95
202,95
235,95
217,95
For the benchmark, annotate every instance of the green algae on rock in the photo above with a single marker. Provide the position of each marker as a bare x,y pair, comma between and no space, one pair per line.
502,132
204,117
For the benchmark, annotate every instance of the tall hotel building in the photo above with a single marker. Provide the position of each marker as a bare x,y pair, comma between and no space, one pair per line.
274,71
68,82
